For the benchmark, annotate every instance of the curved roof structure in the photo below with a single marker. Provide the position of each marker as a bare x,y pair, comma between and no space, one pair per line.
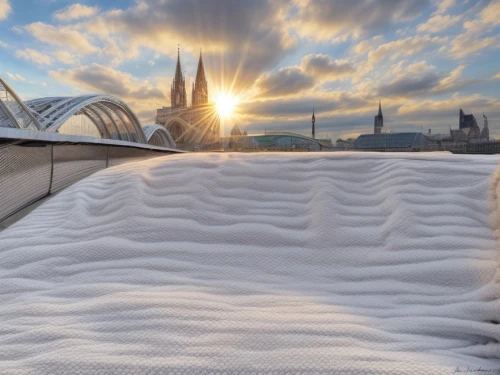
157,135
112,117
408,140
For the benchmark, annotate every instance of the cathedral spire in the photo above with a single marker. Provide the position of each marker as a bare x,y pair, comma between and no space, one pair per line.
200,87
178,69
378,123
178,93
313,121
200,73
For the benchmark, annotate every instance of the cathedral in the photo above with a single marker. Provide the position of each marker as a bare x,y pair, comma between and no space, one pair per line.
197,124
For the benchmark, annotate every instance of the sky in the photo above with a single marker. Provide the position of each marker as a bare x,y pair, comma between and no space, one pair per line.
423,59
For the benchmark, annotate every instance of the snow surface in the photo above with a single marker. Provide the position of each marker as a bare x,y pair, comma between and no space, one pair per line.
330,263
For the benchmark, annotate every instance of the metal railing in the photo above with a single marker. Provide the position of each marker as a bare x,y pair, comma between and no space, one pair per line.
33,170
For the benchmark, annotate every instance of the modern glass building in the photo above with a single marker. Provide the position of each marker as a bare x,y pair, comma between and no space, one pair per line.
276,141
395,141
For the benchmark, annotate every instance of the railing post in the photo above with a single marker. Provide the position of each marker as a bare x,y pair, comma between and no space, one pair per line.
51,167
107,157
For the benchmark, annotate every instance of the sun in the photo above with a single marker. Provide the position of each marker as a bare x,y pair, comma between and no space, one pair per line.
225,104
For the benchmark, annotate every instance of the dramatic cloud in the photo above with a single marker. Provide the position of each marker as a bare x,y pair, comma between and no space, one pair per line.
65,37
240,40
102,79
474,38
395,49
401,68
438,23
467,44
416,80
367,45
419,68
405,47
286,81
65,57
339,19
142,96
448,107
324,66
75,11
326,103
29,54
444,5
409,86
313,69
5,9
452,81
489,17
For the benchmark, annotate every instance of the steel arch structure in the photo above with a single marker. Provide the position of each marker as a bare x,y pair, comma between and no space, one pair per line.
157,135
185,128
111,116
13,112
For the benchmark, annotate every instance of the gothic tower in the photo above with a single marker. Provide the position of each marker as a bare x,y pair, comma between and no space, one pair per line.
378,124
178,90
313,121
200,88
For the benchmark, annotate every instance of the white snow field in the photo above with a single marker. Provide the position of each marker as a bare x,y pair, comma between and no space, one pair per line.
310,263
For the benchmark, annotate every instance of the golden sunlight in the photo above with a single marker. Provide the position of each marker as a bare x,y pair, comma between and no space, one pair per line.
225,104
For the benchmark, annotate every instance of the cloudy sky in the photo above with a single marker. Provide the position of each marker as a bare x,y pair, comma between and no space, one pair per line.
424,59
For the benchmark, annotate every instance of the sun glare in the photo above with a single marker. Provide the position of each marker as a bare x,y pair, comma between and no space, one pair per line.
225,105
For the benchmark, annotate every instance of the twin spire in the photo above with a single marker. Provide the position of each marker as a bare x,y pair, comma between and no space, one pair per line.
178,89
199,90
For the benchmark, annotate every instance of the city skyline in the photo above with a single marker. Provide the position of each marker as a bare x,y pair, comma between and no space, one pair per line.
423,59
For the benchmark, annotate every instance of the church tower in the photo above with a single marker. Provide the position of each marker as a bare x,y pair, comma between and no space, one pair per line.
178,90
200,88
313,122
378,124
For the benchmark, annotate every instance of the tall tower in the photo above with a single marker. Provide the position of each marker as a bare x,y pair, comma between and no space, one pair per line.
313,120
485,133
378,124
200,88
178,89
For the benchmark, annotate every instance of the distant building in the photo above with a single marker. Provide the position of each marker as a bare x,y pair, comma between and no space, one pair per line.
274,141
313,120
347,144
468,130
378,123
195,125
395,142
235,130
485,133
469,138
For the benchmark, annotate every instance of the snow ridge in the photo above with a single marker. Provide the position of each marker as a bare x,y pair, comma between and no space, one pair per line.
309,263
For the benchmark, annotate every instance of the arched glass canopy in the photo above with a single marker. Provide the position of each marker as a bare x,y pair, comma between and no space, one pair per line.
110,115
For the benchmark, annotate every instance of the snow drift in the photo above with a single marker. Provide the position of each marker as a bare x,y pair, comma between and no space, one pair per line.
258,264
